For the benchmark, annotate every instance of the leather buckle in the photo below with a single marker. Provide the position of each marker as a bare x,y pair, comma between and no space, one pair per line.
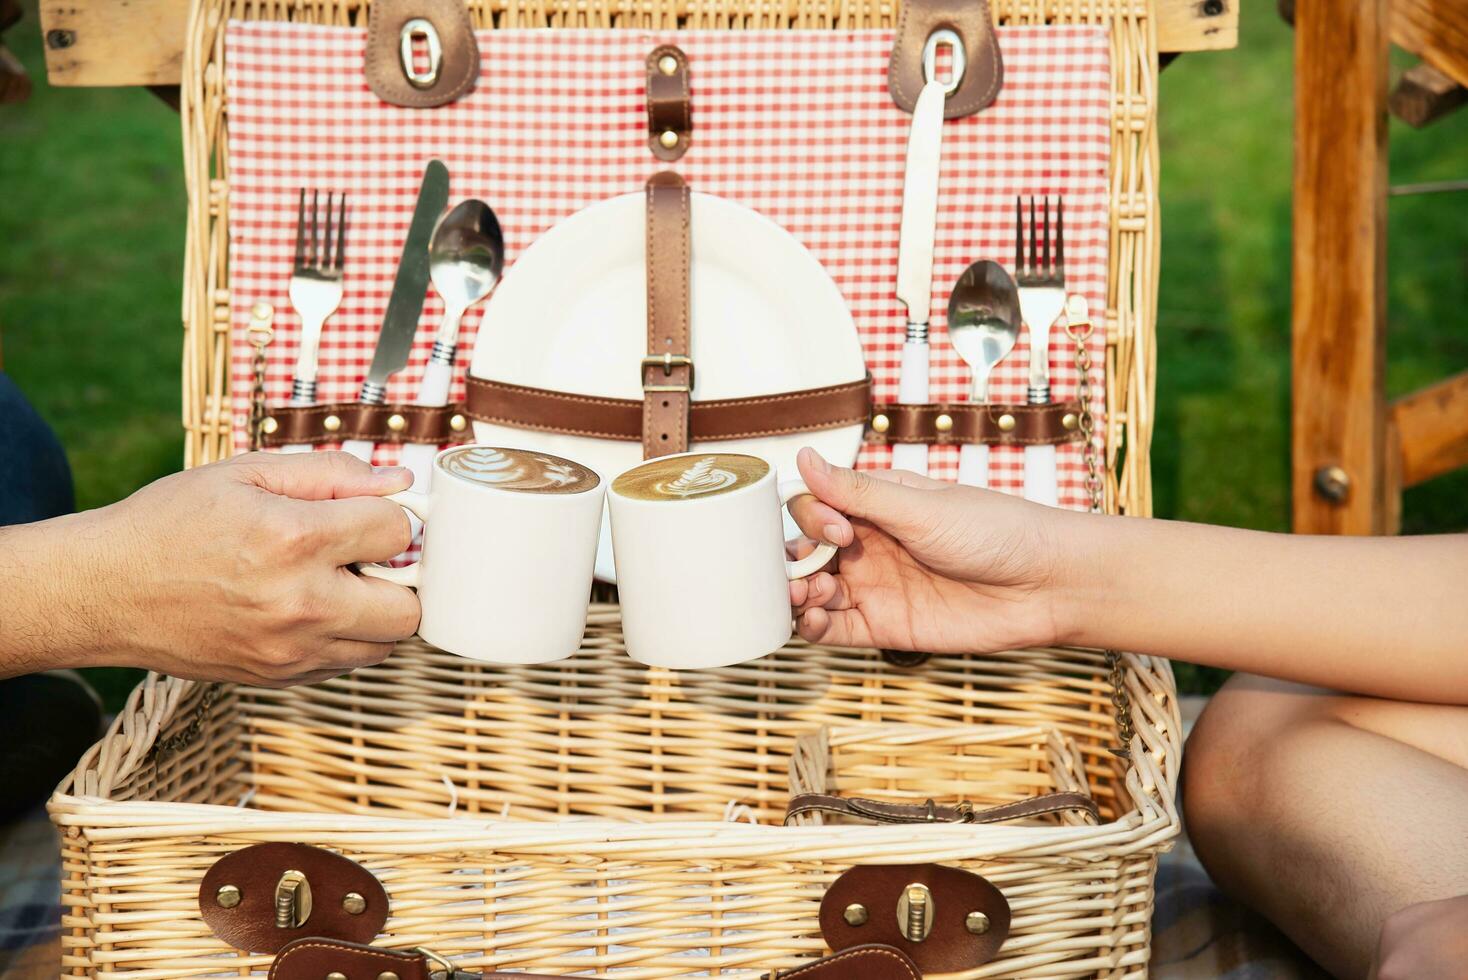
667,362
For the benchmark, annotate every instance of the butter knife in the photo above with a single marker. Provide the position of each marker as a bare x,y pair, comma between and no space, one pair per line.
915,258
405,305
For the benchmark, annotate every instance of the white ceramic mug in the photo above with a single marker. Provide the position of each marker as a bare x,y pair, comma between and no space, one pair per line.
701,566
509,542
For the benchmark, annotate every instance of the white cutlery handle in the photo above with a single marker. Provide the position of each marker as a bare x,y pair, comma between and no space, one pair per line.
1041,484
360,448
912,389
299,402
437,377
973,465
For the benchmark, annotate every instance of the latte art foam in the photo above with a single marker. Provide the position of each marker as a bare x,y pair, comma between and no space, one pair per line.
518,469
690,477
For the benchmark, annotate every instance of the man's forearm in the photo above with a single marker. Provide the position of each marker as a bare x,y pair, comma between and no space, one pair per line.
49,595
1378,616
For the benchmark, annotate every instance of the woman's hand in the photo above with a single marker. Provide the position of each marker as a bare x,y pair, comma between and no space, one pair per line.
926,565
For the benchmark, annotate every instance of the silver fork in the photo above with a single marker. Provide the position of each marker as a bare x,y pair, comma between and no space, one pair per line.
1041,301
316,287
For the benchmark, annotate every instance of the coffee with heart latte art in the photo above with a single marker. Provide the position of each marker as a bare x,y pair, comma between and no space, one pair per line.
518,469
693,477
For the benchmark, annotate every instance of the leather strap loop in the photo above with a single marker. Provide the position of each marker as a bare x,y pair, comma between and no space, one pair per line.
972,22
966,422
668,105
314,425
667,371
458,67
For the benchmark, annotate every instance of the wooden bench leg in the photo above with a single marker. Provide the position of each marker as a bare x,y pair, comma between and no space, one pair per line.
1339,407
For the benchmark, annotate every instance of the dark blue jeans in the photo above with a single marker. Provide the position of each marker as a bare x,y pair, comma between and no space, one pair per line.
35,480
46,722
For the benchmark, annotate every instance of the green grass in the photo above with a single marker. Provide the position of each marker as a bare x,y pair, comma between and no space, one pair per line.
91,244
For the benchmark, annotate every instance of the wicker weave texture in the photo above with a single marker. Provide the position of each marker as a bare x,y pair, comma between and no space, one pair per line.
596,816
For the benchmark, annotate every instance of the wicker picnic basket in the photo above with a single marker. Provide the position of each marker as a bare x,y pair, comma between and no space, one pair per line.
593,815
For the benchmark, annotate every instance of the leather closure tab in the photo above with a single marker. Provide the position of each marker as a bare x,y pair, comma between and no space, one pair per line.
710,421
958,920
314,958
868,962
669,116
984,72
961,423
394,29
316,424
262,897
667,371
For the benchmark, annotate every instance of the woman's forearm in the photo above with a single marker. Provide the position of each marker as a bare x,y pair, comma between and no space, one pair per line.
1377,616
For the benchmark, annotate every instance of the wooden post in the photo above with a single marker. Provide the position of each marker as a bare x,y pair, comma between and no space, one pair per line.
1339,351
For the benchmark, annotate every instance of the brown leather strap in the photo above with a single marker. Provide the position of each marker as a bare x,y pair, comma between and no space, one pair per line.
930,812
958,423
314,959
711,421
316,424
972,22
669,115
667,372
872,961
459,68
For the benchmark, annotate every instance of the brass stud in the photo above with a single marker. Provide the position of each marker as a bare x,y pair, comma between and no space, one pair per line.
667,64
331,423
669,139
228,896
855,914
269,425
1068,421
976,923
881,423
396,422
1006,423
943,423
353,903
387,975
333,975
262,311
458,423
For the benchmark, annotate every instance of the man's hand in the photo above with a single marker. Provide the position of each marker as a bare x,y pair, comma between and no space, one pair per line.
234,571
1426,941
925,565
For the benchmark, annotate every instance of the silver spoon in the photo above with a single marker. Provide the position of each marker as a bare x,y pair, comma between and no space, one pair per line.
983,324
465,258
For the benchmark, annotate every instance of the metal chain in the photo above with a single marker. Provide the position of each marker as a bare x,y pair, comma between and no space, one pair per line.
1079,328
166,747
260,333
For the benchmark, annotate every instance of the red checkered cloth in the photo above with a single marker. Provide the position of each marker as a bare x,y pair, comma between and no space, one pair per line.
797,125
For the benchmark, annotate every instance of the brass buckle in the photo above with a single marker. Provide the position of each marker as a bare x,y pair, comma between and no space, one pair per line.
667,362
965,812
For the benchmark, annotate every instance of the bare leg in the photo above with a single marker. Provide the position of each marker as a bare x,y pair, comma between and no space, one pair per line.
1328,812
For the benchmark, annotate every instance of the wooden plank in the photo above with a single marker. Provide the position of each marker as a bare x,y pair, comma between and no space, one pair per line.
140,42
114,42
1425,95
1197,25
1436,31
1432,427
1339,286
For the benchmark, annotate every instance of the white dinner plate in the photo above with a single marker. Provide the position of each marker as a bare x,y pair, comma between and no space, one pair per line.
571,316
